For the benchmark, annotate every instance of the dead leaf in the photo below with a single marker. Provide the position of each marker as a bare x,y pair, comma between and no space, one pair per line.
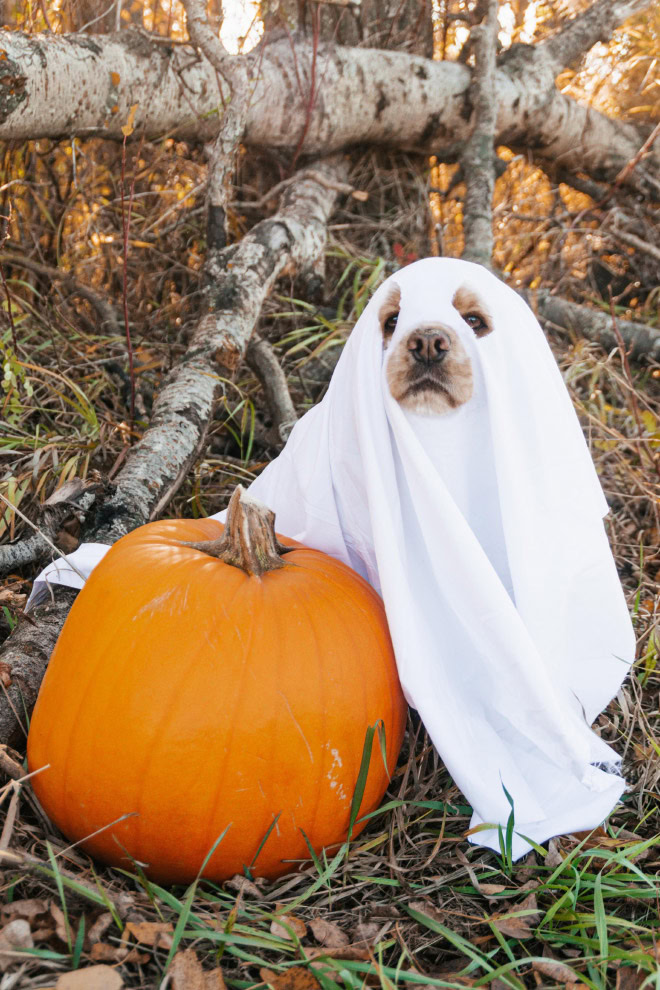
328,934
99,928
187,974
357,951
554,857
368,930
129,126
555,970
91,978
509,924
629,978
296,978
491,888
530,905
288,925
103,952
154,933
248,888
57,914
28,908
15,935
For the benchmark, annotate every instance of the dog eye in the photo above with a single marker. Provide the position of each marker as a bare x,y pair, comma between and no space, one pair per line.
389,325
477,323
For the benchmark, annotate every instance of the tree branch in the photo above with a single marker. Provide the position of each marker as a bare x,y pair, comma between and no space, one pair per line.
477,160
642,342
52,89
73,498
595,24
262,359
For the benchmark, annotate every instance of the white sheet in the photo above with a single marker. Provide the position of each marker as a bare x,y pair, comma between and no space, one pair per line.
482,529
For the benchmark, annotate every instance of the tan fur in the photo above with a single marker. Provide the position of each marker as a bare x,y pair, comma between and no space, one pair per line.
390,304
436,388
467,301
433,389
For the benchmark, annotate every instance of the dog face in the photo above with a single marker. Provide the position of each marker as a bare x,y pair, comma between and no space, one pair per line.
428,369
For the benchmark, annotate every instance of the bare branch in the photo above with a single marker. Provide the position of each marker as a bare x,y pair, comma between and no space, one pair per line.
642,342
478,155
262,359
50,89
635,242
73,498
234,70
108,317
595,24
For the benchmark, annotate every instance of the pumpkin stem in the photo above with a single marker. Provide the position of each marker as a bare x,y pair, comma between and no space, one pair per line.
249,539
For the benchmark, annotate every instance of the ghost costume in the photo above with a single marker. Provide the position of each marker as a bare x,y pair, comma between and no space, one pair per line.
482,530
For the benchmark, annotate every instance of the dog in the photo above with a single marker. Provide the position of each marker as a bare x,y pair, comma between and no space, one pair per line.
429,370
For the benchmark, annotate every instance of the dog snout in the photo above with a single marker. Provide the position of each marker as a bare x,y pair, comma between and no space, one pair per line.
429,346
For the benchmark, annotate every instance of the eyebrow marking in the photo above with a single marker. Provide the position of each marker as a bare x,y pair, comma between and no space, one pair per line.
466,301
390,304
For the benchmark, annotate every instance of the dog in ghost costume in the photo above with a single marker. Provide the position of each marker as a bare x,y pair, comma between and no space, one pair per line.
447,466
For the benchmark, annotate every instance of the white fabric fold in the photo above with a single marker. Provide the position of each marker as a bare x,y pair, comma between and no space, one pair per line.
482,529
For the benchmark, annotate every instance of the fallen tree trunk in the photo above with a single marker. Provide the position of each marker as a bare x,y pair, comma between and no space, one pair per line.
61,86
641,342
243,276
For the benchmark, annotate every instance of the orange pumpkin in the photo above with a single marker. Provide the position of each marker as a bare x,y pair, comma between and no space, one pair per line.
196,695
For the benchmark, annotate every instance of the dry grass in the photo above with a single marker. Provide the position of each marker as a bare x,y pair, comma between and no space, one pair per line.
409,902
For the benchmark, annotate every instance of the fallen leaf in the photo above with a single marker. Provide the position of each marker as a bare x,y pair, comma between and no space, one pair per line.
288,925
629,978
57,914
102,952
555,970
296,978
357,951
328,934
91,978
154,933
187,974
29,908
15,935
368,930
530,905
244,886
509,924
491,888
98,929
554,857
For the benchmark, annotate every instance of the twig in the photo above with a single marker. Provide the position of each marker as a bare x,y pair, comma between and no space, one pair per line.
340,187
42,536
643,443
262,359
636,242
103,308
74,497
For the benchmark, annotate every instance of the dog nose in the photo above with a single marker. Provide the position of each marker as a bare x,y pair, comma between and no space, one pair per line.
428,346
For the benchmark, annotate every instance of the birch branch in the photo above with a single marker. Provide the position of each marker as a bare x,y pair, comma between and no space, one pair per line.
642,342
53,86
262,359
596,23
479,152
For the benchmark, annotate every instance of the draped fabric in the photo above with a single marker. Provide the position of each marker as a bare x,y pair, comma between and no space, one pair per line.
482,529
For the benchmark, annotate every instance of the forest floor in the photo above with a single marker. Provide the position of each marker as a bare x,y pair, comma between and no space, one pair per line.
409,902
